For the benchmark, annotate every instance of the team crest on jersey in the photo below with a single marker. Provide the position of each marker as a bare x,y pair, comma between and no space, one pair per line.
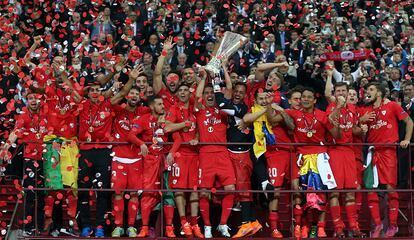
384,112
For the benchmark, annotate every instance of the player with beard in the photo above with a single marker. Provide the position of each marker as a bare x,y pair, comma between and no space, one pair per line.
342,159
184,172
167,92
95,125
151,128
232,101
127,168
215,163
383,128
278,157
30,128
311,127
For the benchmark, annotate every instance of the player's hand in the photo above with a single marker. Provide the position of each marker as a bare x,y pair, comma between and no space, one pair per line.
170,159
404,143
341,101
144,150
368,116
276,107
136,71
5,155
193,142
269,97
168,44
364,128
241,125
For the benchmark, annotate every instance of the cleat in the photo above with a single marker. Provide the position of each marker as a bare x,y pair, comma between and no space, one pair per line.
305,232
151,232
169,232
144,232
297,232
86,232
313,232
99,232
197,231
256,226
391,231
339,233
356,233
186,229
276,234
321,232
207,232
132,232
244,230
376,233
224,230
117,232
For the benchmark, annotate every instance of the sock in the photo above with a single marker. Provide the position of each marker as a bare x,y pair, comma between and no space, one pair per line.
119,211
336,216
183,220
72,204
245,211
373,204
358,202
252,214
49,202
226,205
321,224
273,219
153,218
393,206
193,220
169,214
351,215
205,210
297,212
133,205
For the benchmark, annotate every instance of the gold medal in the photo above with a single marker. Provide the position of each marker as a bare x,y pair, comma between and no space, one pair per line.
62,111
38,135
102,115
309,134
88,139
90,129
210,129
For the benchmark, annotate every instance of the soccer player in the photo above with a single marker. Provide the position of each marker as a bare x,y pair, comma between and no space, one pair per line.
95,125
127,168
383,128
184,171
342,160
278,157
151,128
30,128
215,163
233,103
311,126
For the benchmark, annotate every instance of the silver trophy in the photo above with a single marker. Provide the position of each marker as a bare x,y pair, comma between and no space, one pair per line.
229,45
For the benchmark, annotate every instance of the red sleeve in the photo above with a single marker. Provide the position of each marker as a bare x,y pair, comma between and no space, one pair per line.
171,116
135,130
399,111
177,142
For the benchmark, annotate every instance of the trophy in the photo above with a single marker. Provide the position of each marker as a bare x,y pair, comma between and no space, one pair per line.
229,45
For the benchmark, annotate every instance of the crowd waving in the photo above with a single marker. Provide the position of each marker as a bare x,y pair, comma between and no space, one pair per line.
115,94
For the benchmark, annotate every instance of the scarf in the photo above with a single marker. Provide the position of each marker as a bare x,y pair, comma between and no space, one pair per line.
347,55
263,133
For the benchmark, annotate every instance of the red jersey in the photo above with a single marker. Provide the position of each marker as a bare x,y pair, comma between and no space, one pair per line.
61,113
358,139
122,125
309,128
178,114
149,129
282,136
31,127
212,127
95,124
384,128
253,87
168,98
348,118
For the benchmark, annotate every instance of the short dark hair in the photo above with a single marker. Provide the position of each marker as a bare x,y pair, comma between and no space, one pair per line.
240,84
309,89
341,84
208,86
152,99
379,87
135,88
296,89
183,84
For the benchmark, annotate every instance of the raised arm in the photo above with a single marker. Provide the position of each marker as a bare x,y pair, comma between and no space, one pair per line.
227,80
408,132
329,86
265,67
157,78
132,76
117,67
283,115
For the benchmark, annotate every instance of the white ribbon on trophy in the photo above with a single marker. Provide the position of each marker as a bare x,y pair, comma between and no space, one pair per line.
230,44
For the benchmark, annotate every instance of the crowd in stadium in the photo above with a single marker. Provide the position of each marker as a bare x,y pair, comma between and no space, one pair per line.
115,94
